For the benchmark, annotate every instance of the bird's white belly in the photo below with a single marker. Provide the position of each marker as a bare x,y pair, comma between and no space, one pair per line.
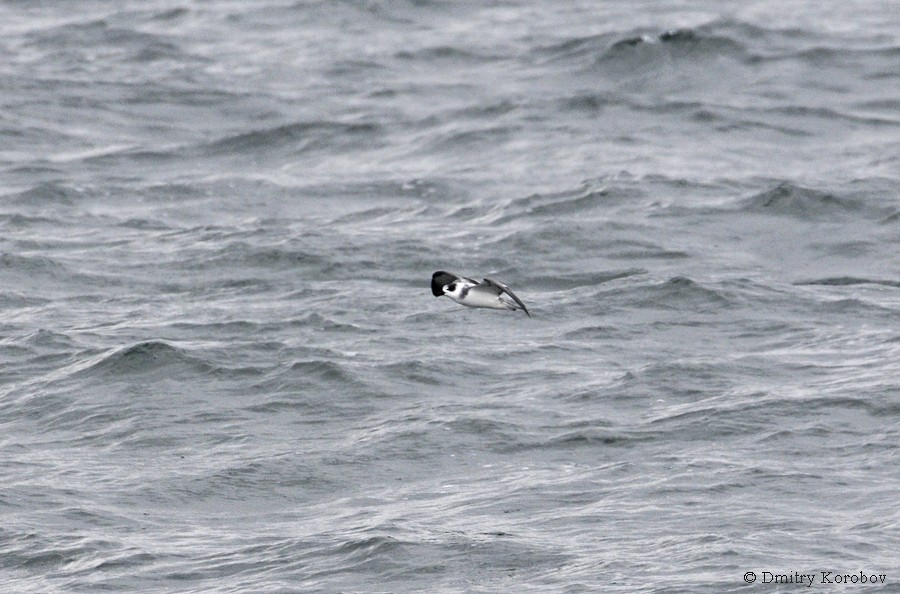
476,299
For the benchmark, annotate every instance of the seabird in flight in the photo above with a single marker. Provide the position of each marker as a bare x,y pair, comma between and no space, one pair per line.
472,293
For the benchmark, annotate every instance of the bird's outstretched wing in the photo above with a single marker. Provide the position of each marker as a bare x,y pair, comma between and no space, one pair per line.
501,288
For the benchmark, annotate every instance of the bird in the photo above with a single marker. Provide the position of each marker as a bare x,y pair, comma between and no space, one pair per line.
471,293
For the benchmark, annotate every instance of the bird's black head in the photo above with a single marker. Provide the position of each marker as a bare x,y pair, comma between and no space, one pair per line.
439,280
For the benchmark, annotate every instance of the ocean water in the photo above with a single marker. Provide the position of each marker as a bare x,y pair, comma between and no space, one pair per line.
222,368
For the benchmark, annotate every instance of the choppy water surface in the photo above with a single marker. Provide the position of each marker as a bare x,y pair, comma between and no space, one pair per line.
222,369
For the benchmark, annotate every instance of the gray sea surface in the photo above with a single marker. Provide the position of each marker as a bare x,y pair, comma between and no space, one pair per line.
222,368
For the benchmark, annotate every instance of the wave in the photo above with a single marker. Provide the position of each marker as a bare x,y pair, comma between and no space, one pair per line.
867,198
803,112
133,156
69,40
319,370
373,13
445,53
677,41
839,57
269,257
717,58
40,277
473,137
678,293
788,199
31,265
10,300
146,357
749,413
46,193
319,381
630,249
645,48
172,14
563,282
41,341
847,281
581,200
300,136
594,436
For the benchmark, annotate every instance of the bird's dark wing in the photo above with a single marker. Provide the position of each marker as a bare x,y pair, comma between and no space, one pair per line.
439,280
504,289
